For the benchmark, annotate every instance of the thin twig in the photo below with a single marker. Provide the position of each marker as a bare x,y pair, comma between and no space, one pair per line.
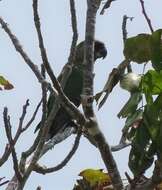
5,155
19,48
120,146
44,130
32,118
7,151
41,43
73,111
19,131
70,107
43,170
45,126
146,16
124,29
66,71
75,32
23,115
10,140
106,6
3,183
41,141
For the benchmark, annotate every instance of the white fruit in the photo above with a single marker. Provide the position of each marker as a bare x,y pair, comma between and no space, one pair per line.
130,82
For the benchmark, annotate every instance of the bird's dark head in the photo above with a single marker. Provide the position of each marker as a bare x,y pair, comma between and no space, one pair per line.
100,50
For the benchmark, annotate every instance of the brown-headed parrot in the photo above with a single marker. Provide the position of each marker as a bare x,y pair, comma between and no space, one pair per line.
73,89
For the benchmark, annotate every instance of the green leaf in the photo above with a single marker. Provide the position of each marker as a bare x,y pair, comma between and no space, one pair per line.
151,82
156,49
159,140
131,105
135,116
140,161
5,83
137,48
132,122
142,152
153,117
149,98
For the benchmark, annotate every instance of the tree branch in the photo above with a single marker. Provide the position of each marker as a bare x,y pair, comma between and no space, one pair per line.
124,30
106,6
19,131
11,143
87,98
64,100
3,183
146,16
44,170
32,118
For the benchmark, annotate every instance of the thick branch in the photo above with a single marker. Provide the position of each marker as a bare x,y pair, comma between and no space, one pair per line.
87,98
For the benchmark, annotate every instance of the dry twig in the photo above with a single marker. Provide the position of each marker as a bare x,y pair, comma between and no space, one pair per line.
146,16
44,170
106,6
11,143
3,183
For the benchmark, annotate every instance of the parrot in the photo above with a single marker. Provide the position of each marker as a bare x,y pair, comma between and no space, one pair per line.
72,89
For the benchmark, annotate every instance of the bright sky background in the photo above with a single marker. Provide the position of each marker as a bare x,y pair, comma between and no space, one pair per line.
56,26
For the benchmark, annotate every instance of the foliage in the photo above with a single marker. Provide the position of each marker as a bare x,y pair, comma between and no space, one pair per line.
137,48
143,124
145,47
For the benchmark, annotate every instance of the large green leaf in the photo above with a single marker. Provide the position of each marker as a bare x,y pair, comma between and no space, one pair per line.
140,161
153,117
156,49
131,105
135,116
137,48
142,153
159,141
132,122
152,82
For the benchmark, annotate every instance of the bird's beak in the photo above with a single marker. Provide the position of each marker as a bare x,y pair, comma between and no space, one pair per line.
104,53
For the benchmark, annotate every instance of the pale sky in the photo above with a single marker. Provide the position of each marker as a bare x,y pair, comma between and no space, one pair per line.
57,34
